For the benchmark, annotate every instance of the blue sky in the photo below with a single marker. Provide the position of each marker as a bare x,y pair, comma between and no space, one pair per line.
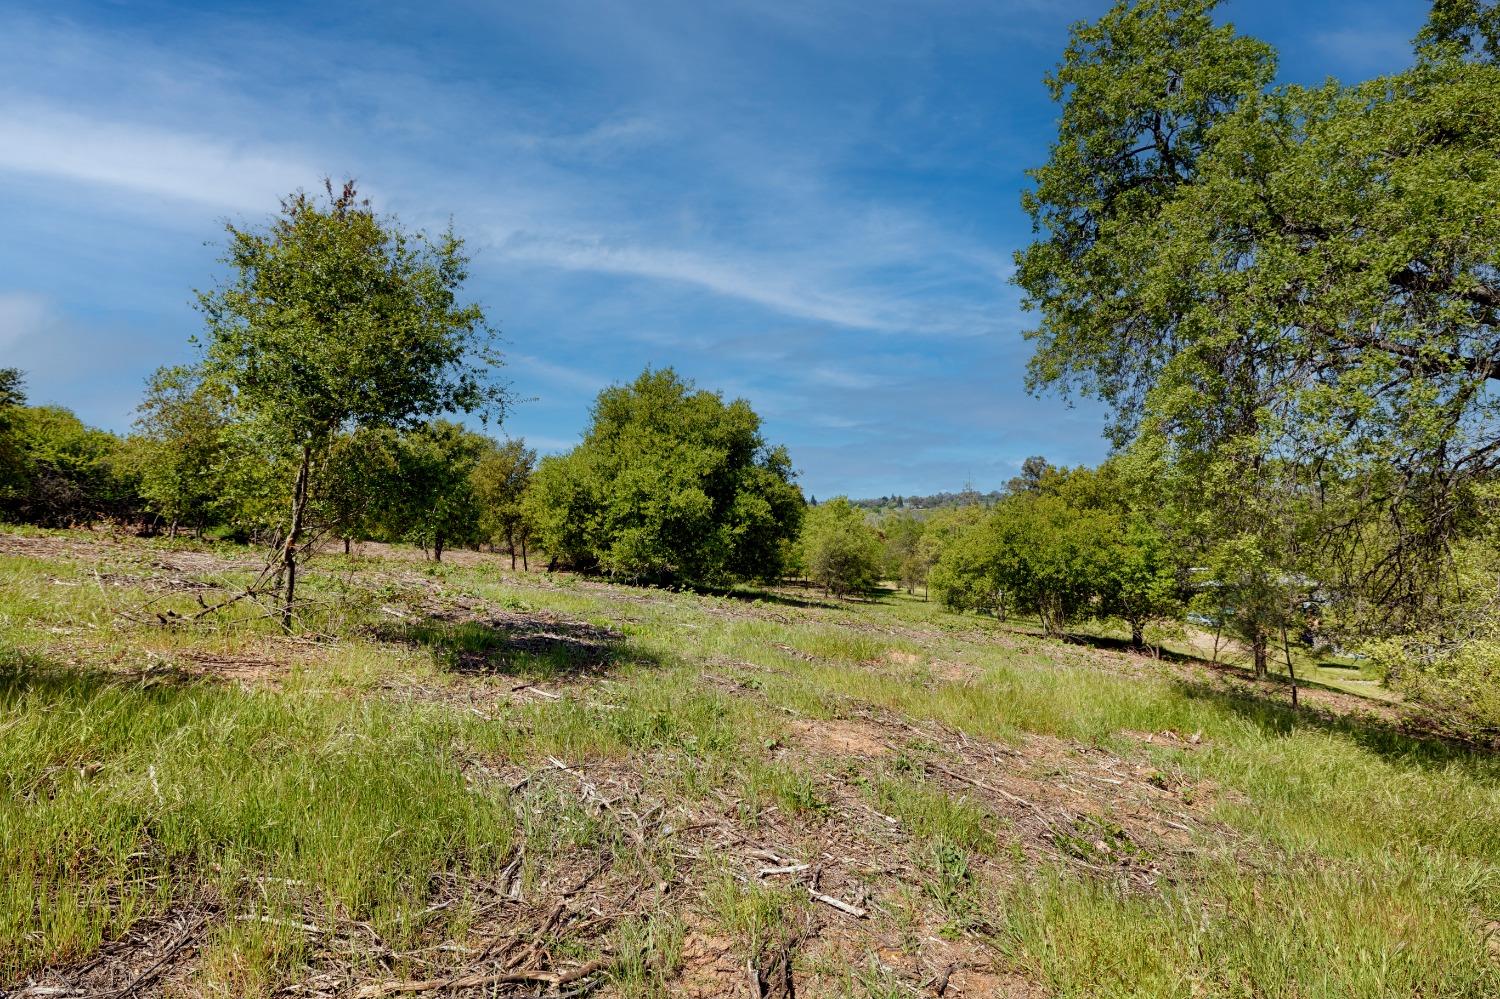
809,204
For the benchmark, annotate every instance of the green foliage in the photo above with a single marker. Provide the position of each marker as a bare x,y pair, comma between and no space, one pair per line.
12,395
668,484
1461,29
1138,579
908,557
12,460
180,449
432,501
1294,274
1453,665
840,552
358,483
61,471
334,317
1064,546
1035,553
499,482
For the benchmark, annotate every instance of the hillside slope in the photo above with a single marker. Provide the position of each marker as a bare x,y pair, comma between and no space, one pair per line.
459,780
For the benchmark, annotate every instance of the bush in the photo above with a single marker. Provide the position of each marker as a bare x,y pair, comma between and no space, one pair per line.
669,484
63,471
840,552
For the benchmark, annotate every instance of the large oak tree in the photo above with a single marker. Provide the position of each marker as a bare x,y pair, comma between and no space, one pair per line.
1306,276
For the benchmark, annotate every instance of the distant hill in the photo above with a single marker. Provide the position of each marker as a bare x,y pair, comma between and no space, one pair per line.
968,497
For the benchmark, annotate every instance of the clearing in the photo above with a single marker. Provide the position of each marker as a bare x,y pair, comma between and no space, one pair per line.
461,780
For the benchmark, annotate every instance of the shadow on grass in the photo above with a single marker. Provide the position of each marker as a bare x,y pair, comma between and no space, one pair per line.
1123,645
27,675
781,597
1409,740
1278,681
530,648
1411,736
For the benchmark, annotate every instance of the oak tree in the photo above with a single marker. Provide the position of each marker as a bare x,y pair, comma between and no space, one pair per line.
333,318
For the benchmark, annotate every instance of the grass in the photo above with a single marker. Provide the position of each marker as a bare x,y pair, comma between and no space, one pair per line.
112,790
384,774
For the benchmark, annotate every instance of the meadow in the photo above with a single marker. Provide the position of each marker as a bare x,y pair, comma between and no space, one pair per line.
457,779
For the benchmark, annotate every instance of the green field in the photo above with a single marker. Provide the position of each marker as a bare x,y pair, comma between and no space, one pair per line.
456,779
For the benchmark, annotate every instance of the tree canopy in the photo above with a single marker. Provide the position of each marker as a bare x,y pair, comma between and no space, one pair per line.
1263,272
334,318
840,551
500,479
669,483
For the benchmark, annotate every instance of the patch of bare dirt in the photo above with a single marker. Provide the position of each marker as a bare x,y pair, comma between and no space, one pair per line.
710,968
841,737
105,547
466,557
951,672
243,670
1056,799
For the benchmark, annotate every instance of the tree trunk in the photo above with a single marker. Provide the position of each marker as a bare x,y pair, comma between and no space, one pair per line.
1258,646
1137,634
1291,670
510,542
172,531
289,551
437,548
525,567
346,544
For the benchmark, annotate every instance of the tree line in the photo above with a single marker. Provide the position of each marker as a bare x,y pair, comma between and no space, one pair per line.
337,353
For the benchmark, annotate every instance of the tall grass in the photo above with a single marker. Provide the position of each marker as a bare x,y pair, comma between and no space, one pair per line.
119,798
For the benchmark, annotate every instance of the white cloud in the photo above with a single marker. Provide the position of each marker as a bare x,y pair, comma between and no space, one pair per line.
557,374
844,378
550,445
38,139
1366,47
786,288
602,139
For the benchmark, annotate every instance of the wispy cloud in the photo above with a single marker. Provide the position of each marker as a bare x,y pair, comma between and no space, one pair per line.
1360,48
22,315
751,277
803,203
844,378
51,142
557,374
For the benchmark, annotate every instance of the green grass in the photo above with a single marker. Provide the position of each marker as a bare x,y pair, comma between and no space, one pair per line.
112,790
1336,856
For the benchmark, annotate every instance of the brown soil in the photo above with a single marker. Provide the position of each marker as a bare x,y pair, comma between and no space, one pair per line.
842,737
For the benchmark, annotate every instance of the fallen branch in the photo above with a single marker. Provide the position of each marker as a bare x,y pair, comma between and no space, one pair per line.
290,924
838,904
481,980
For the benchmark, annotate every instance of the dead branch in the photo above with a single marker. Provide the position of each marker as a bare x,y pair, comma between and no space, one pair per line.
837,903
484,979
